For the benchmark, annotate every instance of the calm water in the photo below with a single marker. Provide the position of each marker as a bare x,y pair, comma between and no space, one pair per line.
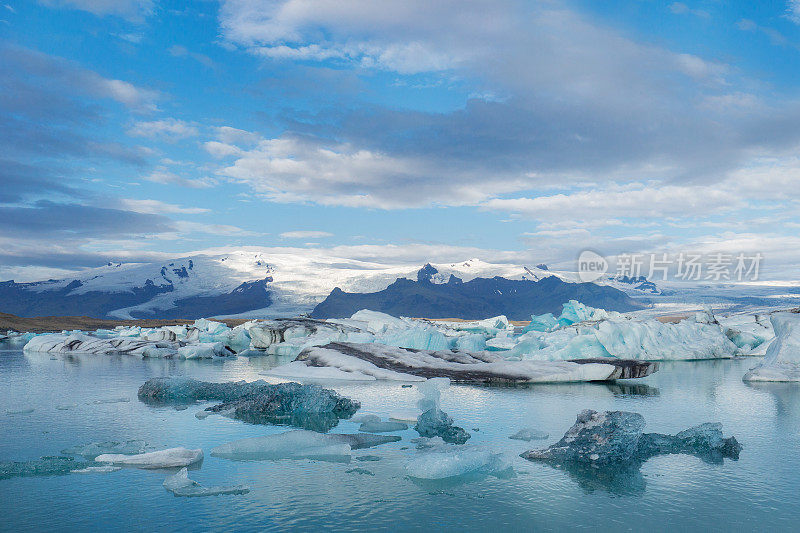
673,492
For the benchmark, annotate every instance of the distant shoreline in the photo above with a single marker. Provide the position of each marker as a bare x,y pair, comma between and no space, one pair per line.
47,324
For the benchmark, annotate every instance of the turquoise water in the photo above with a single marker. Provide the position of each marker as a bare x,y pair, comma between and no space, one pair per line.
671,492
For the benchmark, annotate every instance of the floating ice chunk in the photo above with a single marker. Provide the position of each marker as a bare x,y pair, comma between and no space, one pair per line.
431,392
545,322
257,402
179,484
92,450
205,350
45,466
529,434
454,461
782,360
362,419
297,444
363,471
407,415
111,400
470,343
169,458
153,352
436,423
105,469
378,323
433,422
615,437
14,340
382,427
20,411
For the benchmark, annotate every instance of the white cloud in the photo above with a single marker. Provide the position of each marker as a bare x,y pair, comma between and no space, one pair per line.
161,175
166,129
291,169
212,229
229,135
135,10
305,234
220,150
632,202
793,11
159,207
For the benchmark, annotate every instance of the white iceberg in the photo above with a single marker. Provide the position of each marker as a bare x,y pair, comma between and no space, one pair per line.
169,458
379,362
782,360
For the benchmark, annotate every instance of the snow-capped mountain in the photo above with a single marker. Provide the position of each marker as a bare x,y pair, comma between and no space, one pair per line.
246,282
257,282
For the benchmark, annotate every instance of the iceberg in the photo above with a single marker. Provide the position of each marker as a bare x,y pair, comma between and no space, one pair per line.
614,437
782,359
529,434
382,427
82,343
379,362
586,333
179,484
433,422
256,402
169,458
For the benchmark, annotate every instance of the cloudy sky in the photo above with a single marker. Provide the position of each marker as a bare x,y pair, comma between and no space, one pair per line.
413,130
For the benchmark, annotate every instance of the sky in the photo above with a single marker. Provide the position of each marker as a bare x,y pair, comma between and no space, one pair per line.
134,130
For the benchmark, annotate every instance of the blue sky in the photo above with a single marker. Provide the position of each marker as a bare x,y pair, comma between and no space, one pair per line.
403,131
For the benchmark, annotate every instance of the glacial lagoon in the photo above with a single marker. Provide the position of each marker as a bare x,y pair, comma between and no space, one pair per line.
52,402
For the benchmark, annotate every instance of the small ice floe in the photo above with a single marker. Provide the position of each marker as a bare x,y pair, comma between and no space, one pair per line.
363,419
362,471
782,359
382,427
447,461
92,450
529,434
169,458
20,411
257,402
111,400
105,469
44,466
300,444
179,484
